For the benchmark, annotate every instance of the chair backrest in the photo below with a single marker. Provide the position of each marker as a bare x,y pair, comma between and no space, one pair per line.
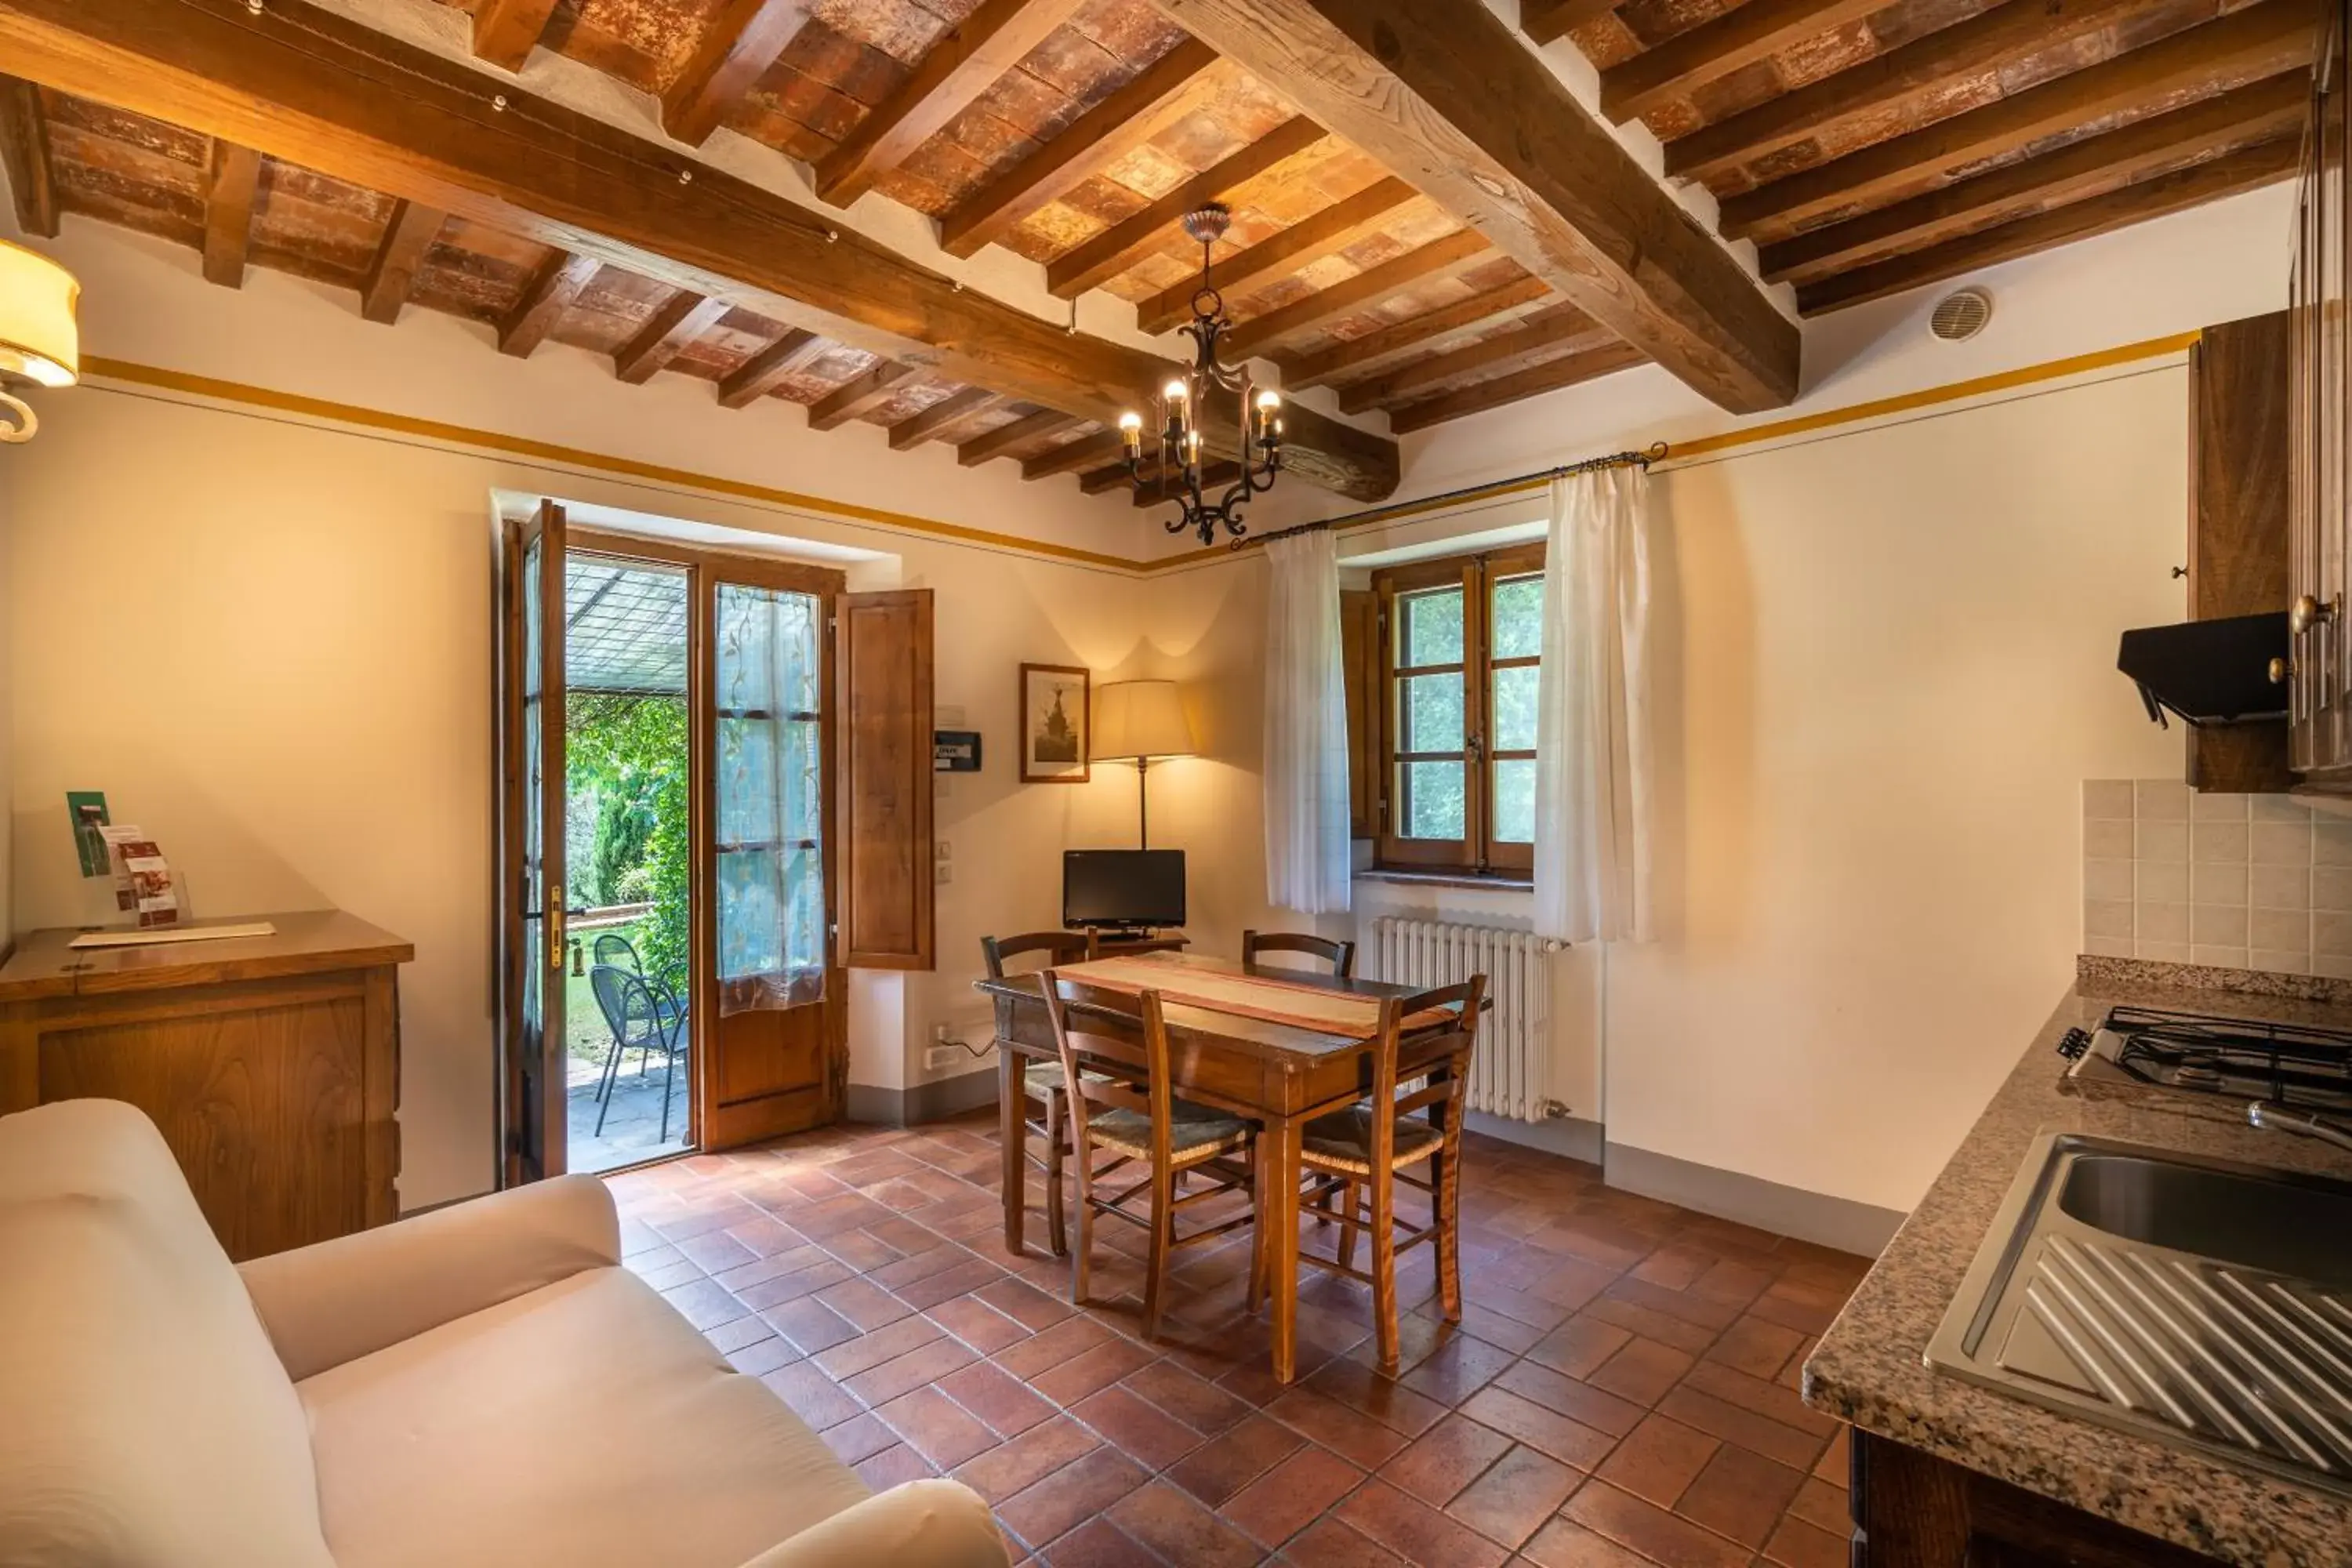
1457,1040
148,1422
628,1004
1139,1012
615,949
1341,956
1059,947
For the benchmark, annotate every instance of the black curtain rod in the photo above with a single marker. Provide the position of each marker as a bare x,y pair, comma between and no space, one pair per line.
1655,452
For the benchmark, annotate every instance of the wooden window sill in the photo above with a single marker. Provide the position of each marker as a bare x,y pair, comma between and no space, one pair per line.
1448,879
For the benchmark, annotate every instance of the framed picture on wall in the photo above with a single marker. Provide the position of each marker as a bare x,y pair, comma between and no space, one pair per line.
1053,724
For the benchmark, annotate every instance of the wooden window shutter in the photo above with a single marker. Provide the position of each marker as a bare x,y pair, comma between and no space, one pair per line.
1359,645
883,661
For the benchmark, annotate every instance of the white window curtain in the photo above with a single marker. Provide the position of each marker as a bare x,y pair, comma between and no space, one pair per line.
1593,767
1307,848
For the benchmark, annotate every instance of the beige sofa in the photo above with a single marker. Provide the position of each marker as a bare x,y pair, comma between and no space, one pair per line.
482,1384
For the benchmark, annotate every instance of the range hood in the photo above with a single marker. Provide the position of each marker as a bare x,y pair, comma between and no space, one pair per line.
2209,672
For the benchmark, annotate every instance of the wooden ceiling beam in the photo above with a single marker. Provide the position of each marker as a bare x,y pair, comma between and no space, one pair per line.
1547,21
917,428
1561,329
2256,112
1462,249
1987,41
999,442
1714,49
1100,481
232,186
683,317
1163,91
25,150
1214,478
737,47
767,370
1456,103
1432,332
1086,452
392,274
2175,192
1304,243
1121,245
505,31
966,61
549,293
860,395
2261,40
1480,396
307,85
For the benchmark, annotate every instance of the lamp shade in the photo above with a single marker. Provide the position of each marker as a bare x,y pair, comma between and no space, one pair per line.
38,338
1140,719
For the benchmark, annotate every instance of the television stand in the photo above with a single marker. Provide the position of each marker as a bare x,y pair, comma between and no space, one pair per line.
1114,944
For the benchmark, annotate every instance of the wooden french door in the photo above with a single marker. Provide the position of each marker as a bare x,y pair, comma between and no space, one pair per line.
530,849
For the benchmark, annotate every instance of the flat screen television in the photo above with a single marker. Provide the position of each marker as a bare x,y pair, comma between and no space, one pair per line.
1122,887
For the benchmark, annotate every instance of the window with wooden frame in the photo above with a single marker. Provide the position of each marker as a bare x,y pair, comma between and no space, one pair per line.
1461,641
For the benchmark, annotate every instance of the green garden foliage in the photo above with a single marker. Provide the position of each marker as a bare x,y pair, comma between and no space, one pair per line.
630,754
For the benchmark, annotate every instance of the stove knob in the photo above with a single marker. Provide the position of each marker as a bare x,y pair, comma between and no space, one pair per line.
2072,1044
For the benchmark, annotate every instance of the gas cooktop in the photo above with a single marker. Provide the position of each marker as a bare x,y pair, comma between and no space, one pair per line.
2241,1059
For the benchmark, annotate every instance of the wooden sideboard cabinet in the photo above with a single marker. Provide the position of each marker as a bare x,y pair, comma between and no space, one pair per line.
271,1064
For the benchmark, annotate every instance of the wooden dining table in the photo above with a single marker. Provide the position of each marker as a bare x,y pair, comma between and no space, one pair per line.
1300,1048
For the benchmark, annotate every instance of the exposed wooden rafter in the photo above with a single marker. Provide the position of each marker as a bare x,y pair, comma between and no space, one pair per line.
505,31
1432,332
406,238
1122,245
950,411
1562,330
768,369
549,293
1457,104
2262,40
1301,244
1547,20
307,85
965,62
232,186
25,150
2258,112
682,319
1462,249
1001,441
1086,452
859,394
1481,395
1987,41
2175,192
1714,49
1121,122
738,44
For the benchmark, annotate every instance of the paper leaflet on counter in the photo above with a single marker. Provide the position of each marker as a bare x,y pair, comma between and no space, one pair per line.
144,882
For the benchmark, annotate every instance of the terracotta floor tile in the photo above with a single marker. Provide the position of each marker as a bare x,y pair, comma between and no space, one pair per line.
1836,1463
1291,1495
1445,1459
1512,1499
859,1266
1660,1536
1659,1459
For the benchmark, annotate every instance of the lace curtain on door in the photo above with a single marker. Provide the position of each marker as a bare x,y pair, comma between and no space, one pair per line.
771,804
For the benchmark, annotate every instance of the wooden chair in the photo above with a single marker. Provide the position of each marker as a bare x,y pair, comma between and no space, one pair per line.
1341,956
1145,1125
1041,1082
1358,1156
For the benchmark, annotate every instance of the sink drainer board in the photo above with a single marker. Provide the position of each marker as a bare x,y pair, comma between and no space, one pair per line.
2184,1298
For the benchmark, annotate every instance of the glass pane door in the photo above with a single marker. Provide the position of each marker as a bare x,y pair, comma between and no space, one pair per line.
531,850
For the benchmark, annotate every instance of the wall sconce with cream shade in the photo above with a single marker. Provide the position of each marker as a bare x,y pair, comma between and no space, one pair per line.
1142,721
40,341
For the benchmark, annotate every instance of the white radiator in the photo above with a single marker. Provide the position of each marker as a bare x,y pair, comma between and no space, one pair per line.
1510,1071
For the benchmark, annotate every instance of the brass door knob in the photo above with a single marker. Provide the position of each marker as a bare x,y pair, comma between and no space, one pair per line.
2280,671
2308,612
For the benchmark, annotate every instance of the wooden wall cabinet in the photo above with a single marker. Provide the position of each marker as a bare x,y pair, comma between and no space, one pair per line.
2320,724
271,1064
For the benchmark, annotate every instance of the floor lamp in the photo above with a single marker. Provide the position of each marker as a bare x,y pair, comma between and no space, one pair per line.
1142,721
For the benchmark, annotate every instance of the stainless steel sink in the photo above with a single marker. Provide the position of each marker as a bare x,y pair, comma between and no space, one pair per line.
2188,1299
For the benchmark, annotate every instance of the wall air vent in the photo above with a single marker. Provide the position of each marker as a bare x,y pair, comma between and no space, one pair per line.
1962,315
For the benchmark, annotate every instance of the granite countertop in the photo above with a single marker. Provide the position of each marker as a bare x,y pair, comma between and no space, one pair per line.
1868,1368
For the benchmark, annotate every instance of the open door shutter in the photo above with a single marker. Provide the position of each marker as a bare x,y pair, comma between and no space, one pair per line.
531,895
883,661
1360,645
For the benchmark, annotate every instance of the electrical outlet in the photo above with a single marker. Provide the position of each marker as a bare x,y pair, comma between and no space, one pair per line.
942,873
940,1057
941,850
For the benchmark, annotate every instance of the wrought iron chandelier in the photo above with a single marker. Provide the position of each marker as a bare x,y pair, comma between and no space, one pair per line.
1180,471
